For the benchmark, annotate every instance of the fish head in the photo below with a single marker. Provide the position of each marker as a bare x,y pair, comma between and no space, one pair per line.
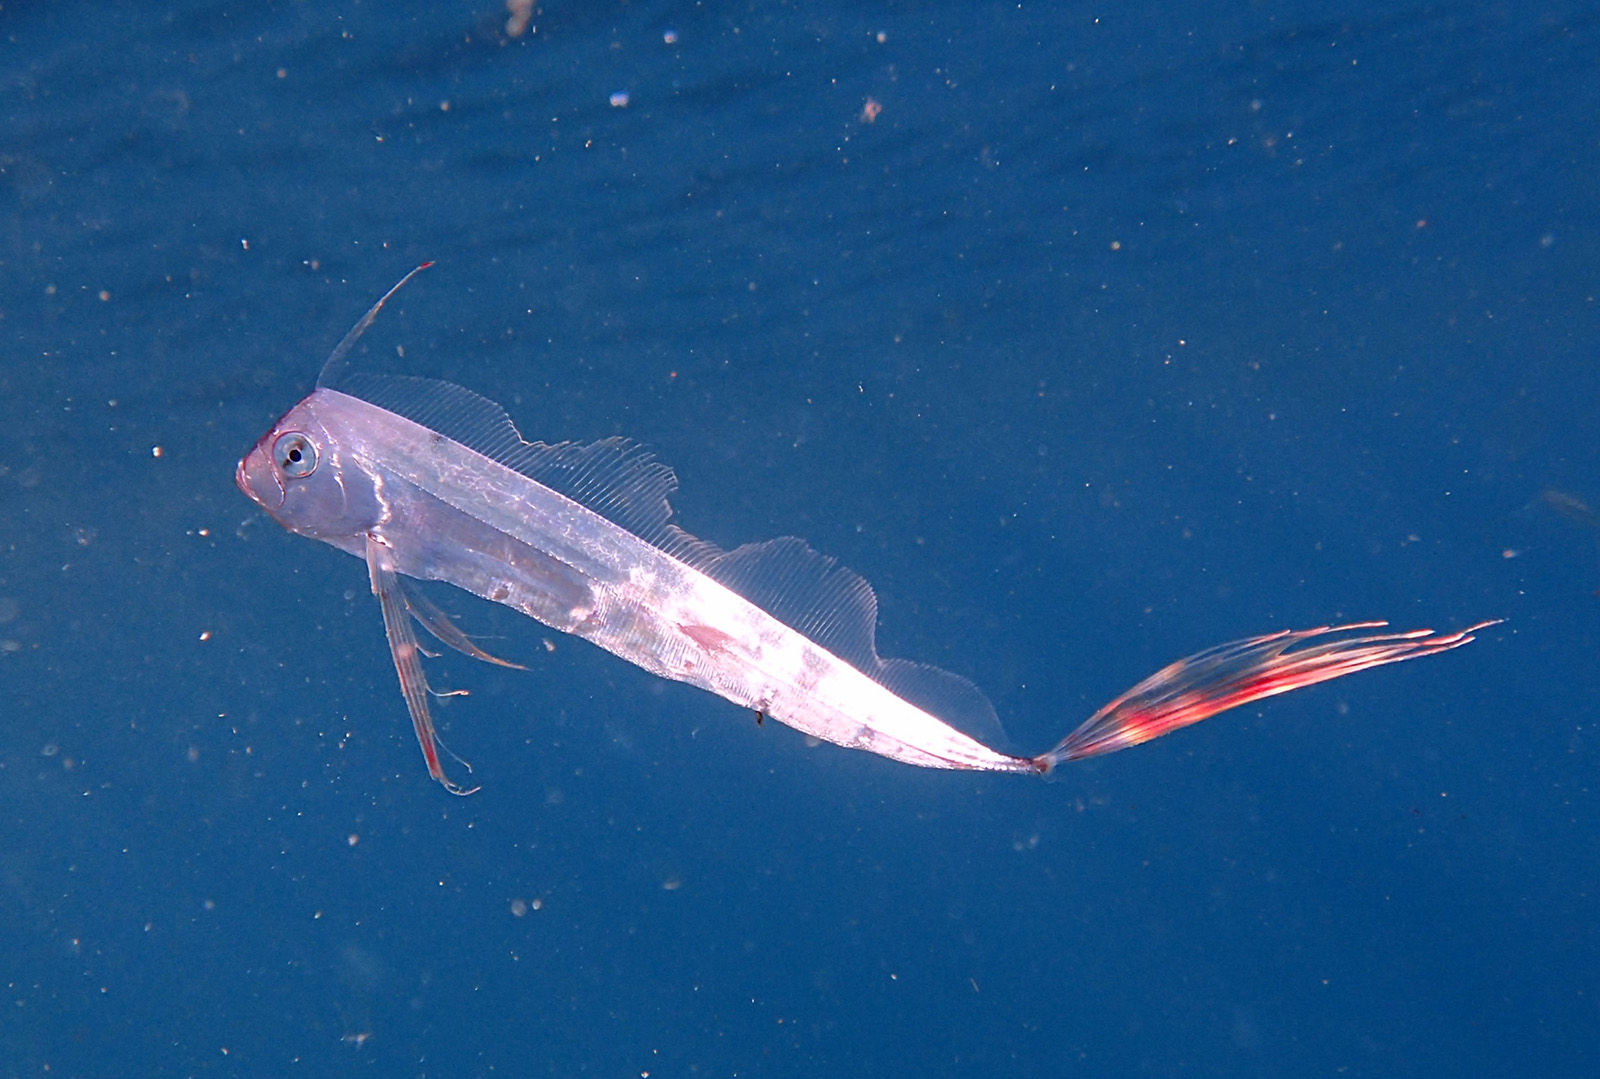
300,476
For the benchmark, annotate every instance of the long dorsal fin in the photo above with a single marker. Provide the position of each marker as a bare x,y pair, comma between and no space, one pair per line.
616,477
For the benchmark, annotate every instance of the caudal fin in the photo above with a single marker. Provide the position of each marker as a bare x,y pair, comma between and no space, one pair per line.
1239,672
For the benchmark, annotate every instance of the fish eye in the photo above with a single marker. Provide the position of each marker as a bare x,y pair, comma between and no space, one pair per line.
295,454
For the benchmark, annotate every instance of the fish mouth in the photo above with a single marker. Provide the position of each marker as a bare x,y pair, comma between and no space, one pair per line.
256,478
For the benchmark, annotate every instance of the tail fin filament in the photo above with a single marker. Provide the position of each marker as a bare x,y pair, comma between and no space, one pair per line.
1237,673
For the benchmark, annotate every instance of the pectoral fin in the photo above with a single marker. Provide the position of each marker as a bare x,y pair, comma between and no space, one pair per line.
407,664
438,623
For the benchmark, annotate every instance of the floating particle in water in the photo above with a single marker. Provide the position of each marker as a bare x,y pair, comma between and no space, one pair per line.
520,15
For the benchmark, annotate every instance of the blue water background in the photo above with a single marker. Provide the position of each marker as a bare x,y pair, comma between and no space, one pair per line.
1122,330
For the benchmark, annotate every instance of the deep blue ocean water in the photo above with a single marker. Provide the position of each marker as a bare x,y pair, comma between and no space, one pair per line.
1119,331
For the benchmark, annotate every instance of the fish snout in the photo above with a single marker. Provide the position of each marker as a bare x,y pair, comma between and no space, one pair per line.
257,479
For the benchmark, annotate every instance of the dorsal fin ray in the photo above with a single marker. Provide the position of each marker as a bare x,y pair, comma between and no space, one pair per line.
623,482
333,367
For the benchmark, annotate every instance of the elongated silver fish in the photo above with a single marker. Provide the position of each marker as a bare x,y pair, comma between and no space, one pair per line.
427,480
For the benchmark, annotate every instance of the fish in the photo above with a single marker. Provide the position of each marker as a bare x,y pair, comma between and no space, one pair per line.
427,480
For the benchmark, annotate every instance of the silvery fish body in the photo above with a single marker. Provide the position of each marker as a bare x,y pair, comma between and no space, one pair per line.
427,480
